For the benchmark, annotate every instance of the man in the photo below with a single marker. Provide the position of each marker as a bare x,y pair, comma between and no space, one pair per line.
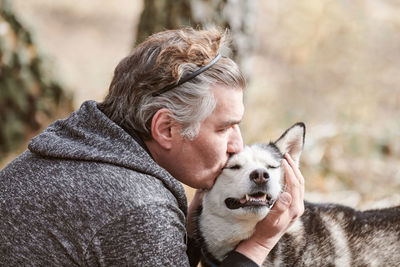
102,187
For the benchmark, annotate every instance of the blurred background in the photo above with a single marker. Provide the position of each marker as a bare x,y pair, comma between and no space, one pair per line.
332,64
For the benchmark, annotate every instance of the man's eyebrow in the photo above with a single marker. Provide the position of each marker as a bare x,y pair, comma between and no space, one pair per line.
230,123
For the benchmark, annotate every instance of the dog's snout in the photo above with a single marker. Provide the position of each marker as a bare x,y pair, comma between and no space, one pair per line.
259,176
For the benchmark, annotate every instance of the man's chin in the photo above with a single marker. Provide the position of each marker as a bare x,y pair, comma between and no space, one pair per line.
205,181
199,183
211,181
208,187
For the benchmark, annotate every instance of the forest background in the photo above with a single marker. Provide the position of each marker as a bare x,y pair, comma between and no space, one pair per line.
332,64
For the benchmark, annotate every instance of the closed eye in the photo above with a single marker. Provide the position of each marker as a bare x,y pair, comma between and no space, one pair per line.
234,167
272,167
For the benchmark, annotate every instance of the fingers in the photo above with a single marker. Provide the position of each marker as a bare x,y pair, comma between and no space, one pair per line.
295,187
293,175
296,170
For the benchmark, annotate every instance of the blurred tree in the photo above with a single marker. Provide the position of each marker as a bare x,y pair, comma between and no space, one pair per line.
235,15
158,15
26,90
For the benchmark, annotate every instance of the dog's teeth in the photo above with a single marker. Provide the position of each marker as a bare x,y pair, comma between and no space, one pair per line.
247,197
265,197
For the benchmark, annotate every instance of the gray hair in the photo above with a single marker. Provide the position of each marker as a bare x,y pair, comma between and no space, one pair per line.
162,60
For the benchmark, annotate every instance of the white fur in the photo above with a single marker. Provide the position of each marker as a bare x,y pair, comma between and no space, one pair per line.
349,244
224,228
338,235
231,183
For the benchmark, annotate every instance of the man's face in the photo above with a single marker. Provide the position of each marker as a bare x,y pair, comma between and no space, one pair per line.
198,162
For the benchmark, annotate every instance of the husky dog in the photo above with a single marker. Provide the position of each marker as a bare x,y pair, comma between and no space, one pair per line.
326,234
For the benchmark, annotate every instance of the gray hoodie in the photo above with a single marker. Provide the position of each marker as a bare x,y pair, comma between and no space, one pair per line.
85,193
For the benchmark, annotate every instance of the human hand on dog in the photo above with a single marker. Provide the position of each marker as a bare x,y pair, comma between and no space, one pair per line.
288,207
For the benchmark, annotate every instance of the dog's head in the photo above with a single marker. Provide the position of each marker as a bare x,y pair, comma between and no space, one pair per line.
253,179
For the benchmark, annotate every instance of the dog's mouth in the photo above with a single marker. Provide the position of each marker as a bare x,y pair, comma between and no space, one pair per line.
259,199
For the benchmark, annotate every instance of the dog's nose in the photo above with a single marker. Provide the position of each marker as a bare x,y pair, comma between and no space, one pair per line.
259,176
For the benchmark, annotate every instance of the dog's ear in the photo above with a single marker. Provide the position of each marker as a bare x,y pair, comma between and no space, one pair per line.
292,141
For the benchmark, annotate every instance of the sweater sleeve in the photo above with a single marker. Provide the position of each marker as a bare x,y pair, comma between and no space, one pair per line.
151,235
236,259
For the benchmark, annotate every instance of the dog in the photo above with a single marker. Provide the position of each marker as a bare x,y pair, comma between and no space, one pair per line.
325,235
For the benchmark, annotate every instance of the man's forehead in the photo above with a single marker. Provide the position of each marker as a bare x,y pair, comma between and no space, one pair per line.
229,104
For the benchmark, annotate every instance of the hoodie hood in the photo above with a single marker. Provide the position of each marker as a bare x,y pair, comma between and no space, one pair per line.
89,135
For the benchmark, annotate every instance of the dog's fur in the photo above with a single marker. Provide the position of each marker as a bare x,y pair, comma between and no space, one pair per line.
326,234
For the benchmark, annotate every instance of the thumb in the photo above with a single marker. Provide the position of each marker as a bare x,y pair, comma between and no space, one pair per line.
277,219
282,204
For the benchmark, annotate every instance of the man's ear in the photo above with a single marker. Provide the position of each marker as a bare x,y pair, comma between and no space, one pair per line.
162,128
292,141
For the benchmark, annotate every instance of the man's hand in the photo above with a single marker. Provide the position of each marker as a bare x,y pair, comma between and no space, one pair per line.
288,207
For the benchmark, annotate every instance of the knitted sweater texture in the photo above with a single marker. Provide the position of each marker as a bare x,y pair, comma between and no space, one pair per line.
86,194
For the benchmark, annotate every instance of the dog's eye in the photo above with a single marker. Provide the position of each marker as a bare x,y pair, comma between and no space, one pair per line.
235,167
272,167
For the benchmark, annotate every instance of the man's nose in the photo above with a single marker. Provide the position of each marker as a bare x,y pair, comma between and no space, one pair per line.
235,142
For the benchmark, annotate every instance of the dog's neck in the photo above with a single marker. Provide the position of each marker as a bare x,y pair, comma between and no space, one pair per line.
222,234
